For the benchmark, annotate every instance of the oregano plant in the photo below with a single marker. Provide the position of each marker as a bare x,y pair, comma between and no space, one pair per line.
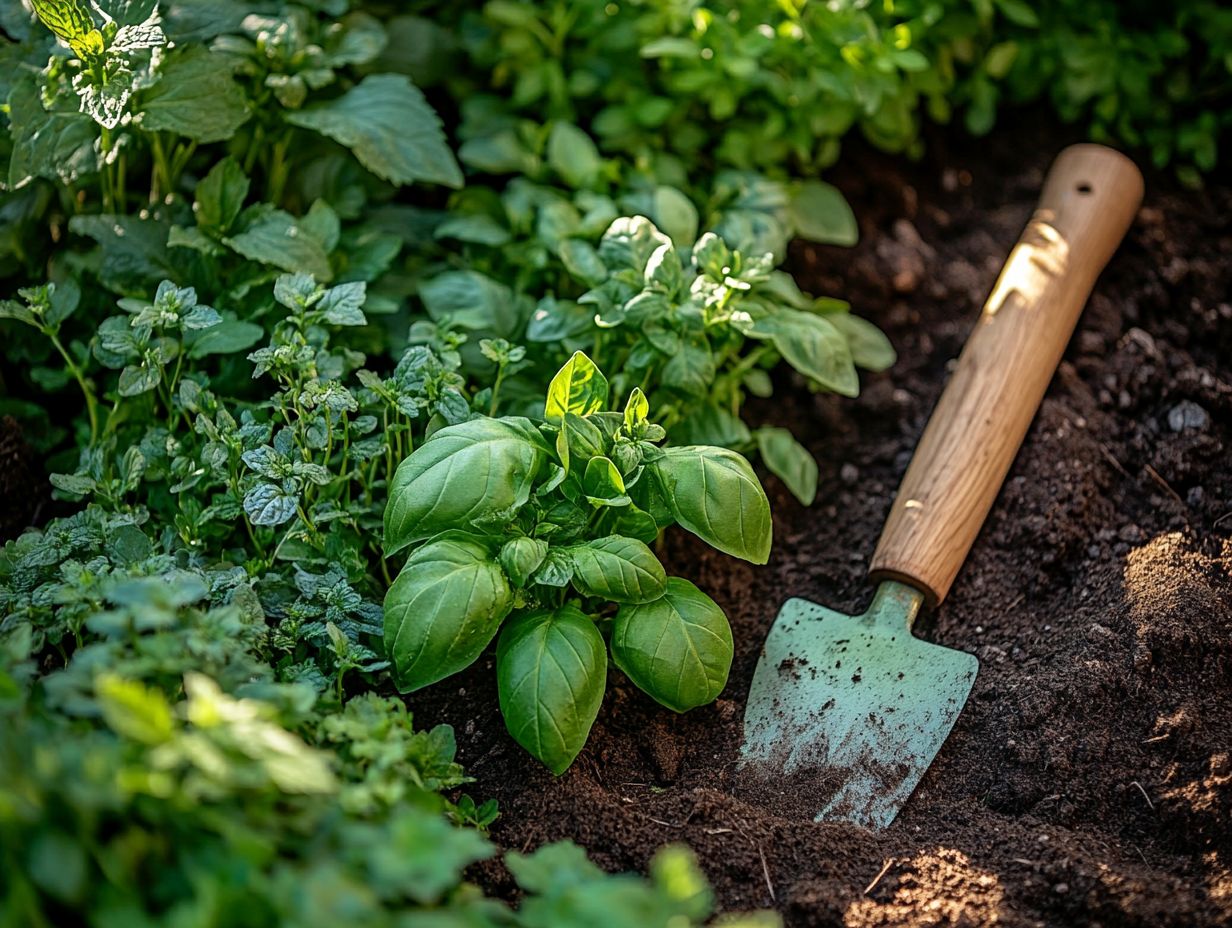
540,532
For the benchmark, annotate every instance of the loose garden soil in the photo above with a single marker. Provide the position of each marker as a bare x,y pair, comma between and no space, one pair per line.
1089,780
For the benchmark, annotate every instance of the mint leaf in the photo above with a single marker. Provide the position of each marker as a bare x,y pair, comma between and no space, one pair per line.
196,96
390,127
56,144
274,237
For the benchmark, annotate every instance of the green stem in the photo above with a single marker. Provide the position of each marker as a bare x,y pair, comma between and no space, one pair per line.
80,376
500,376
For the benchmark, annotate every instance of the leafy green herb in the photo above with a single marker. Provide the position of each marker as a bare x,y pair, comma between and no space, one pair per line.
545,527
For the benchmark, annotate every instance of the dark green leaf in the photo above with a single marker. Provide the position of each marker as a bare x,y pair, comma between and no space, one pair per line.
274,237
573,156
521,557
462,473
227,337
870,348
813,346
714,494
821,214
551,670
619,569
391,128
443,609
790,461
220,195
677,649
196,97
57,145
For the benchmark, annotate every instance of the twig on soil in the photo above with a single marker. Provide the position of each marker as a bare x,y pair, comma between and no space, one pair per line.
1113,460
877,879
666,824
1144,795
1167,488
766,872
1218,522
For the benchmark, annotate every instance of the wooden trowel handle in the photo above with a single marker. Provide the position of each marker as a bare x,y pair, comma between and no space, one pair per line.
1090,198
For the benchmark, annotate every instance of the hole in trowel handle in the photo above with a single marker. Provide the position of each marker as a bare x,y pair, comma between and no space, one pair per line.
1084,188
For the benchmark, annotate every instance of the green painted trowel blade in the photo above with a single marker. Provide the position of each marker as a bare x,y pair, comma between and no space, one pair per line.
857,699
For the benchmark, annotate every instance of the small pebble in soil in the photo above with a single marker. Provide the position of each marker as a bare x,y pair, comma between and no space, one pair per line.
1188,415
849,474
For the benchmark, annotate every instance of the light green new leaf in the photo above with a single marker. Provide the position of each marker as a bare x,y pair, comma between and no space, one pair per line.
578,387
71,22
603,484
821,214
443,609
462,472
390,127
133,710
619,569
637,409
790,461
713,493
196,97
551,671
677,649
870,348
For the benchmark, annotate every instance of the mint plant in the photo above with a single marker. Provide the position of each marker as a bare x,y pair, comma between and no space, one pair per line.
540,531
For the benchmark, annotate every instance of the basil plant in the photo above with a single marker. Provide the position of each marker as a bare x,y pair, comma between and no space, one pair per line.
540,531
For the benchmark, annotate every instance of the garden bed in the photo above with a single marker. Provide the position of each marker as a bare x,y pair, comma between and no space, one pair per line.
1089,779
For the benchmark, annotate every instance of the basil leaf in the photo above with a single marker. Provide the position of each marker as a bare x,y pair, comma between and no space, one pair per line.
573,155
813,346
443,609
462,472
790,461
619,569
713,493
821,214
677,649
691,370
578,387
521,557
551,671
634,523
870,348
270,504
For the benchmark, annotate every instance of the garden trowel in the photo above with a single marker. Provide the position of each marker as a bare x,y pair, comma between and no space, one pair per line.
856,707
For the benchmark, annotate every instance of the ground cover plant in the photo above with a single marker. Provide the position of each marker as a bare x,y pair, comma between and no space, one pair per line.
355,339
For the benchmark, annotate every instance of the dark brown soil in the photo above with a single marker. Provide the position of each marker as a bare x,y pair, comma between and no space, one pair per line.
1089,779
23,486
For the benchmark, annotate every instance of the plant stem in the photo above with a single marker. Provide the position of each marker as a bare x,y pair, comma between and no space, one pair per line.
79,375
